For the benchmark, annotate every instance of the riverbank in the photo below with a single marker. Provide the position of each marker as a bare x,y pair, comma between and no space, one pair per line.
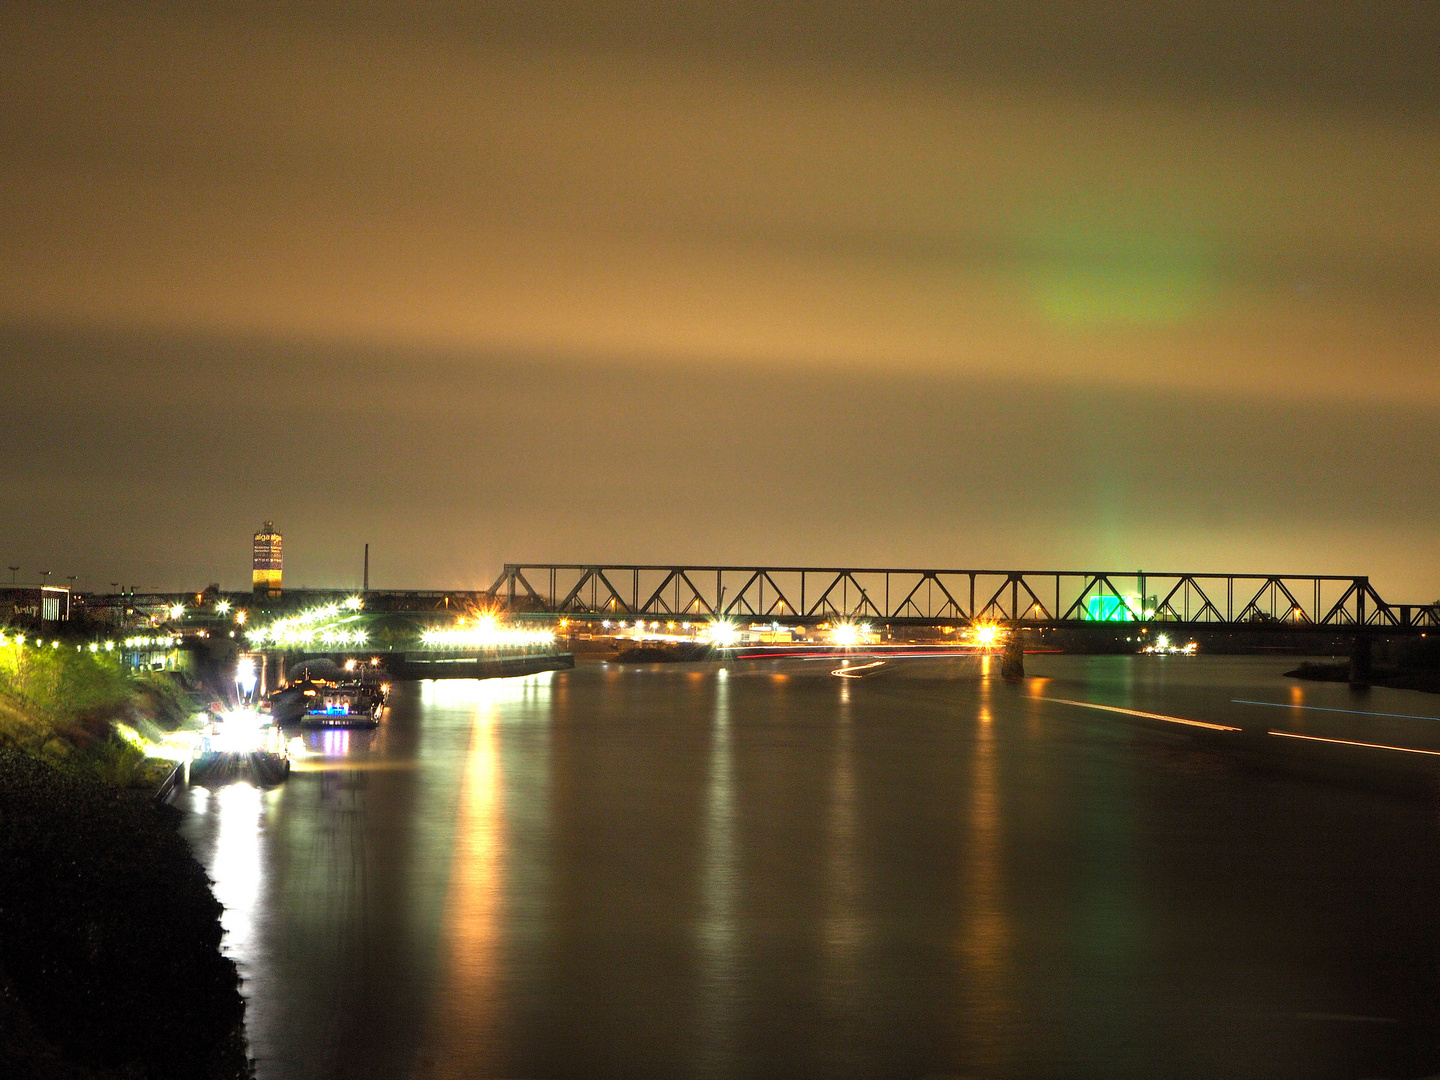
86,713
667,652
1425,680
110,960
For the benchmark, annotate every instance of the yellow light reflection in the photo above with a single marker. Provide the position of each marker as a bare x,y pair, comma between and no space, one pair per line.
985,935
843,927
236,867
719,873
473,905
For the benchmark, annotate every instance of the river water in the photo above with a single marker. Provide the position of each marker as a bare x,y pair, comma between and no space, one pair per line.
762,869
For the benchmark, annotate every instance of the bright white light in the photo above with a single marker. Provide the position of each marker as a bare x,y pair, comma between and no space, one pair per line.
986,635
354,603
1162,641
245,675
240,731
721,633
222,607
845,634
177,610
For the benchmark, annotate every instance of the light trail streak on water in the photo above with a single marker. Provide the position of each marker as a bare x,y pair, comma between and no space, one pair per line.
1137,712
1353,742
1322,708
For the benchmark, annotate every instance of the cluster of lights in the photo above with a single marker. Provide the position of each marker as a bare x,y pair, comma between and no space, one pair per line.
486,633
285,636
1164,647
640,624
302,629
165,641
19,640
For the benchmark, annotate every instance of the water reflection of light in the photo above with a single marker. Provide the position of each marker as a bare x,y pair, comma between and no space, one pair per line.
236,866
466,693
473,904
842,927
985,935
718,885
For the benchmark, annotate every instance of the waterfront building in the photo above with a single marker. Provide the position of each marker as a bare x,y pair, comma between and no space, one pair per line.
267,561
28,604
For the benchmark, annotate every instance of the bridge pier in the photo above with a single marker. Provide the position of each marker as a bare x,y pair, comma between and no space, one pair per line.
1361,653
1012,660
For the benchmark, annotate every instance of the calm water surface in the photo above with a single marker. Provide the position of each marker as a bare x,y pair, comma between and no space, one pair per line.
765,870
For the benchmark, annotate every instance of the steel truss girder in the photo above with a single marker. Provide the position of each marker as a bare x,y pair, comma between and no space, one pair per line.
1038,598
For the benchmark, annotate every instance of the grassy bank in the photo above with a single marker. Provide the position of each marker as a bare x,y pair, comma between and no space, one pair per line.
110,961
81,711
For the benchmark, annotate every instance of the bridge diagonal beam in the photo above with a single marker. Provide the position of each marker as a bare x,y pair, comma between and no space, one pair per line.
1074,610
658,597
572,600
992,607
697,597
620,606
925,596
1295,606
781,600
909,598
819,607
1339,613
733,608
1035,601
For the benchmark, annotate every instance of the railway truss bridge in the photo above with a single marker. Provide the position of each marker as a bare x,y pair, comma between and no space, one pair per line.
1016,599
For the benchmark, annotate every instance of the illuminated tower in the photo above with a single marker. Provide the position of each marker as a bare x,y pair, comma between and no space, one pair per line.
267,560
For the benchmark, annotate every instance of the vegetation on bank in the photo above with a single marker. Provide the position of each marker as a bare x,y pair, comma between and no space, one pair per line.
81,711
666,652
1401,664
110,962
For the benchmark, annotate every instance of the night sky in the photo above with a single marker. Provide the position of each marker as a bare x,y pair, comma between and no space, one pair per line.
1038,285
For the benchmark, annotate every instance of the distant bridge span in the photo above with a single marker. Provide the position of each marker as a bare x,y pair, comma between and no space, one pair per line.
1015,598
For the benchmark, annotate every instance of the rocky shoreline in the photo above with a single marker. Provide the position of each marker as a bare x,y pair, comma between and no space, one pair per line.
110,962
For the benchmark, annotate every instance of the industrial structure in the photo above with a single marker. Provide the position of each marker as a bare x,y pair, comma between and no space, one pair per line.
268,560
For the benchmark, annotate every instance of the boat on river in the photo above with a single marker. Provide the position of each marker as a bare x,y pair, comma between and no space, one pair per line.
349,704
242,744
